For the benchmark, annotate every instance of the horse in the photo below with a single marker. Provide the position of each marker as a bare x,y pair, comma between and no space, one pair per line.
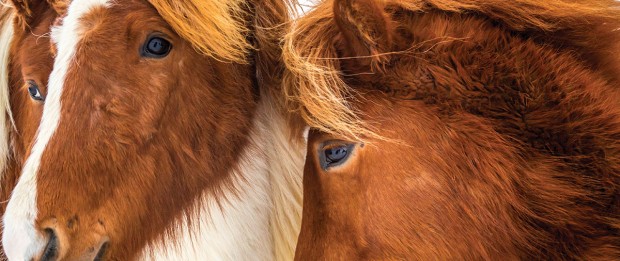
162,137
25,64
464,130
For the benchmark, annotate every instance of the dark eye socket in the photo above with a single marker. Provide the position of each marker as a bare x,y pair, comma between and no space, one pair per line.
156,47
34,91
334,154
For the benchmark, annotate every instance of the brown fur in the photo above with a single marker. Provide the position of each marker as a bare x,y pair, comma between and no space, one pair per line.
508,111
313,84
29,12
30,59
150,136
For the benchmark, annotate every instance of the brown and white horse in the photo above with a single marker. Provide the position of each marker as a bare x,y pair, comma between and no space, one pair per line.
464,130
161,137
25,65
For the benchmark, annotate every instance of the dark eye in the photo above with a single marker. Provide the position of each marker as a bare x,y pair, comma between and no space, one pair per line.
334,154
34,91
156,47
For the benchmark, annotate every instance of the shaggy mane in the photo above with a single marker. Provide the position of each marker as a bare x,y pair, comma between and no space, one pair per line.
315,90
215,28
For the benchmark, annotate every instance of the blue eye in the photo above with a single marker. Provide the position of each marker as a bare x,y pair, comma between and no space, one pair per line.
334,154
34,91
156,47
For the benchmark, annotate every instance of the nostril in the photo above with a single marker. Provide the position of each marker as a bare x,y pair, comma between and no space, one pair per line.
101,252
51,250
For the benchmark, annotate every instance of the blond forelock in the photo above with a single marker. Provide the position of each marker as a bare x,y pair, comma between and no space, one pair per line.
215,28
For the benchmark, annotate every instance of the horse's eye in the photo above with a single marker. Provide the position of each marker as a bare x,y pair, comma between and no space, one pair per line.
334,154
156,47
34,91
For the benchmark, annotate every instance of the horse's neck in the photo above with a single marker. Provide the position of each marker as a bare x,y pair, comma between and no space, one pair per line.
260,220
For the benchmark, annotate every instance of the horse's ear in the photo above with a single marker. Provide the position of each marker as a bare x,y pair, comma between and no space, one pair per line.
26,10
60,6
29,10
365,26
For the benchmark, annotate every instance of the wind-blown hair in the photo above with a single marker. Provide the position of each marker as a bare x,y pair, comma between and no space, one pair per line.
314,87
215,28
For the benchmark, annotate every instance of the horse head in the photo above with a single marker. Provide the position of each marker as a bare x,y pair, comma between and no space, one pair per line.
153,137
458,129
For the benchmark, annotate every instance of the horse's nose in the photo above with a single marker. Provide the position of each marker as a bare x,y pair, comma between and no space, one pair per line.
51,249
101,252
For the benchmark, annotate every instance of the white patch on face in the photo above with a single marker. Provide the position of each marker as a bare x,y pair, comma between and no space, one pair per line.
6,120
21,239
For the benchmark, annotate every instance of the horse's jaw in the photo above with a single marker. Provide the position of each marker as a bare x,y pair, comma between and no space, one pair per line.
261,219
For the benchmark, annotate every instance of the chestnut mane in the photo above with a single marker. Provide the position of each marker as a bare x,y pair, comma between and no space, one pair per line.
222,19
217,28
315,89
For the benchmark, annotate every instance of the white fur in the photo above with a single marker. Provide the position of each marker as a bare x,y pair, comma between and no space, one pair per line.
286,157
20,238
6,37
260,222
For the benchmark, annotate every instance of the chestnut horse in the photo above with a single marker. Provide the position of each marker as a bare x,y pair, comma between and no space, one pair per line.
161,137
459,130
25,62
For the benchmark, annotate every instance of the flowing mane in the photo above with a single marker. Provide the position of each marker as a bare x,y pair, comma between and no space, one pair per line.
6,120
217,28
315,88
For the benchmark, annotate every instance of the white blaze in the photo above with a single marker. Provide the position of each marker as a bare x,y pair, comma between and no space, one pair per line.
6,118
21,239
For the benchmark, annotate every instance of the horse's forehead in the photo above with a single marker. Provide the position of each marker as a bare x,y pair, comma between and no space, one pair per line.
71,24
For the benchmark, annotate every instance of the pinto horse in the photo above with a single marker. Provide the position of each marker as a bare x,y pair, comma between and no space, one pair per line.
162,137
25,62
464,130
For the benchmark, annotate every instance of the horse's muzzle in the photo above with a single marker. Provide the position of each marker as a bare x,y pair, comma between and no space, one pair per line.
53,249
50,253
